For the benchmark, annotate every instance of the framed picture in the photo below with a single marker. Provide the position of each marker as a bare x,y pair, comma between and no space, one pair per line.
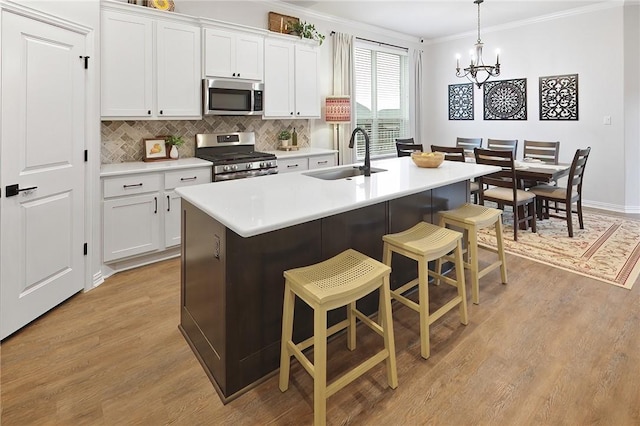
461,101
505,99
154,150
559,97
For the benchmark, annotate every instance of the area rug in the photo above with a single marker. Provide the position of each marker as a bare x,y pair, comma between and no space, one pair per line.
607,249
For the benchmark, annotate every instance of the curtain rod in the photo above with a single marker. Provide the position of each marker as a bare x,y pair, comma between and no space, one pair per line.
377,42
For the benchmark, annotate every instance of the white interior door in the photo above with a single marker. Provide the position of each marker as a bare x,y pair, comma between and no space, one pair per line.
41,147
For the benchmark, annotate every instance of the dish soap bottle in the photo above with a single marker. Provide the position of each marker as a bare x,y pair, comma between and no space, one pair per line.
294,137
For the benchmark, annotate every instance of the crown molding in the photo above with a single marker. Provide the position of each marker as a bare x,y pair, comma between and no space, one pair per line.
524,22
28,12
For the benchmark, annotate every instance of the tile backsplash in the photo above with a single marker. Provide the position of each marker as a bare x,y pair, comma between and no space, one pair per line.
122,140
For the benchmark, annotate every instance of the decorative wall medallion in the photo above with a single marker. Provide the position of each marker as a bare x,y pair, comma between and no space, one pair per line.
559,97
505,99
461,101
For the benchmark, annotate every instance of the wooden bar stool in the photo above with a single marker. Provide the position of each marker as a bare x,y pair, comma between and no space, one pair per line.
423,243
471,218
331,284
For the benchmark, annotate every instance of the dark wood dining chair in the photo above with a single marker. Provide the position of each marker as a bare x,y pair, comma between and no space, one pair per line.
566,197
469,144
458,154
405,147
451,153
503,188
503,145
547,152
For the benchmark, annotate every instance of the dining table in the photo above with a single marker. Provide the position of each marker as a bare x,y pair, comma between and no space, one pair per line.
533,171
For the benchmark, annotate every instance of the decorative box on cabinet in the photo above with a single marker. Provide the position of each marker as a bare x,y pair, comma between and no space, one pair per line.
291,71
150,66
141,211
232,54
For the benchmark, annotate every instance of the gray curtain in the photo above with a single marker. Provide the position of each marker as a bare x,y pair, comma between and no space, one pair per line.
342,85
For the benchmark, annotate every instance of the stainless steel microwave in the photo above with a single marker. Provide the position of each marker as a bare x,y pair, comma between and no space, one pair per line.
231,97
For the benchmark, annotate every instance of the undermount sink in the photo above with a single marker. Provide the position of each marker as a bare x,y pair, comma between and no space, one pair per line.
345,172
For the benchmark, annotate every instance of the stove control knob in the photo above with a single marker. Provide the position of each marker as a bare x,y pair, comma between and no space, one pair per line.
234,167
249,165
262,164
226,168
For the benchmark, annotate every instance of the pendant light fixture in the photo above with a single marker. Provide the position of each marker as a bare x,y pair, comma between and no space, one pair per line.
478,72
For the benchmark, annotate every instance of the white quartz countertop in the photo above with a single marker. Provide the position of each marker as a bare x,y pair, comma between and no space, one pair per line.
303,152
118,169
254,206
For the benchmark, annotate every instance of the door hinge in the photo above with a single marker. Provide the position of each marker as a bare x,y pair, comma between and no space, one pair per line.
86,61
86,249
86,155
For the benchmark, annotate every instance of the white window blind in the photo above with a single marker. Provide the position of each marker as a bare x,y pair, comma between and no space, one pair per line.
382,99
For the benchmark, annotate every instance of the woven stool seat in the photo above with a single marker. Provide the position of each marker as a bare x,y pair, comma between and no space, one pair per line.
471,218
333,283
345,277
423,243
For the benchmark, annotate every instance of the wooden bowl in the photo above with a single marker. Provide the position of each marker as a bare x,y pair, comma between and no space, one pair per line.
429,161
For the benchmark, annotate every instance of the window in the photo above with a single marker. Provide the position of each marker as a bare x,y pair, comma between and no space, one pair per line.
382,99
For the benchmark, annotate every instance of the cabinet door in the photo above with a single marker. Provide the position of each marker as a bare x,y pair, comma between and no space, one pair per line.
171,219
219,53
293,164
249,57
127,65
131,226
320,161
178,68
278,79
307,99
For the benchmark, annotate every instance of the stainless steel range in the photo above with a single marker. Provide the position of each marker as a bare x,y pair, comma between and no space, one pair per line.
233,155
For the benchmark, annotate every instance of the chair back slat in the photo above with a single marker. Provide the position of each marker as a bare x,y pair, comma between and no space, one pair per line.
547,152
406,146
451,153
503,145
576,173
469,144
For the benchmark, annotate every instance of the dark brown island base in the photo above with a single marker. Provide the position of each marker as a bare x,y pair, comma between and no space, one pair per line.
232,287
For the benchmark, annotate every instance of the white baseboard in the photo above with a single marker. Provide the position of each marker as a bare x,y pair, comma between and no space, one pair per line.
611,207
136,262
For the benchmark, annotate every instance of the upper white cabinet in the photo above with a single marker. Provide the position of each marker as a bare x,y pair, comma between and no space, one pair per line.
291,80
150,67
233,55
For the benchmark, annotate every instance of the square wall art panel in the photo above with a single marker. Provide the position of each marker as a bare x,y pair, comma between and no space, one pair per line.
461,101
505,99
559,97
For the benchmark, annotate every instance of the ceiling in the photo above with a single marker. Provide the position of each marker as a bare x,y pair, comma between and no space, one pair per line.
431,19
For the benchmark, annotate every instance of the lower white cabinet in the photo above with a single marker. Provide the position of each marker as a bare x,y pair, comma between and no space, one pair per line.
306,162
141,211
320,161
293,164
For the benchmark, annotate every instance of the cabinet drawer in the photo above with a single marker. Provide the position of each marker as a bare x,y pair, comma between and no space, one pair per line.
132,184
319,161
293,164
187,177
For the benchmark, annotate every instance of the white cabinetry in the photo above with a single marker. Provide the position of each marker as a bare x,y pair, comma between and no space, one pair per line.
233,55
150,67
141,211
294,163
291,80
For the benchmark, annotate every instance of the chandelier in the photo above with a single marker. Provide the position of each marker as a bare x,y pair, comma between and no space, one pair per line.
478,72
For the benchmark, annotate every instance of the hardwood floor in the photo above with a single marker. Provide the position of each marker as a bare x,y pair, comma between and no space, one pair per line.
550,348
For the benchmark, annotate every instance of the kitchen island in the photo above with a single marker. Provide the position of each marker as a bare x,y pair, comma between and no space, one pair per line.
239,236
